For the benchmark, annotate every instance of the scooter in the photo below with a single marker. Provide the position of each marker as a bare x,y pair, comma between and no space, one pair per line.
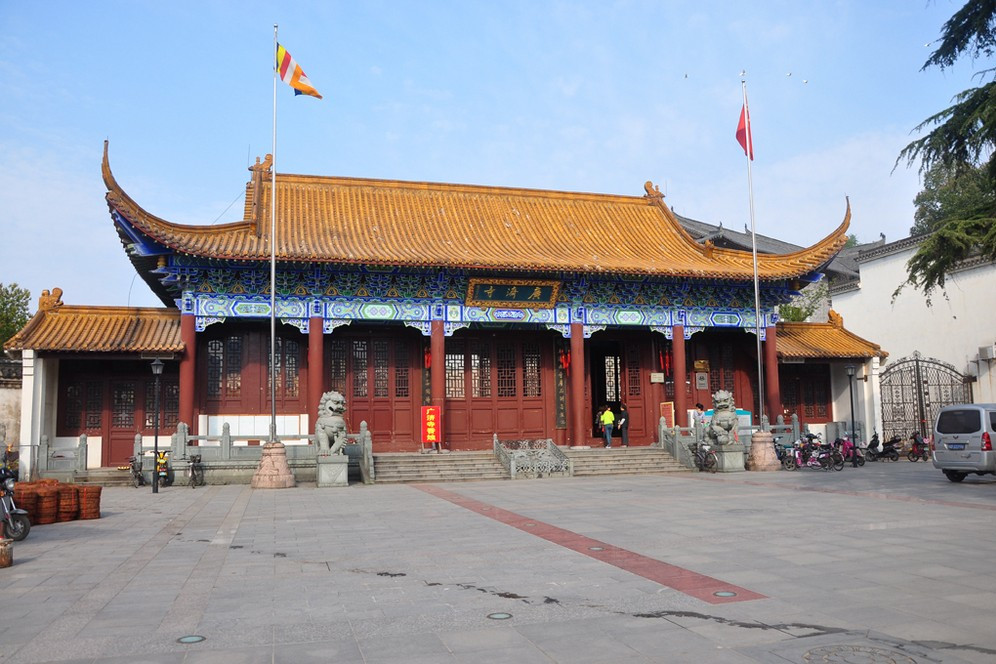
851,452
14,522
918,448
888,451
164,474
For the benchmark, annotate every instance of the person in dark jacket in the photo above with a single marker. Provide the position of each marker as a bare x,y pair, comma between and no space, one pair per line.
622,424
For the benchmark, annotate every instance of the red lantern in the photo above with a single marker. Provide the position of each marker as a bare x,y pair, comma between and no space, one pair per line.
428,358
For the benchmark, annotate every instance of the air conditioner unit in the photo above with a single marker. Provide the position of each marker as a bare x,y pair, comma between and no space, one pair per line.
987,352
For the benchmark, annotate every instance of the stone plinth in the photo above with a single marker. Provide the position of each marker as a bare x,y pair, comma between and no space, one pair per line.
762,452
731,458
333,470
273,471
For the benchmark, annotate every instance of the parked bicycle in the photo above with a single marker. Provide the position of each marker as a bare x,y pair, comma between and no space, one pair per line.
705,458
135,465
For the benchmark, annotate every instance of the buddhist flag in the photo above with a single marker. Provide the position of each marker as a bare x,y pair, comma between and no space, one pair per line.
292,74
743,132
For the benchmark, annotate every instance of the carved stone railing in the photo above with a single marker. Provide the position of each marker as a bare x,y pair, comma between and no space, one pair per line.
532,458
679,442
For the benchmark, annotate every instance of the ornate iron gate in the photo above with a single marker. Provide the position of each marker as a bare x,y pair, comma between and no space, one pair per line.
914,389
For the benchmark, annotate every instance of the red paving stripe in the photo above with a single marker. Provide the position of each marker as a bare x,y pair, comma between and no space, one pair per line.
683,580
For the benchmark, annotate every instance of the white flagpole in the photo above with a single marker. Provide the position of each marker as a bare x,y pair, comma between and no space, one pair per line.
753,245
273,255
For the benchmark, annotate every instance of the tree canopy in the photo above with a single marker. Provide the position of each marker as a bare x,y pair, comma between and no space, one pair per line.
957,155
14,312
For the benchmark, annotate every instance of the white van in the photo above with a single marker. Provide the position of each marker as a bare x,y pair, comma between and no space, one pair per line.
963,440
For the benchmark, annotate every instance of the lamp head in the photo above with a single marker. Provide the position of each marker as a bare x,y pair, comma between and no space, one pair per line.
157,366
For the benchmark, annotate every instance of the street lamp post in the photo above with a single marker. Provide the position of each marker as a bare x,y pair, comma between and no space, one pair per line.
850,394
157,370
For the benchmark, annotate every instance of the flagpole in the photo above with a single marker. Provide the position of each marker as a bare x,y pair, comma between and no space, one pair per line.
753,245
273,254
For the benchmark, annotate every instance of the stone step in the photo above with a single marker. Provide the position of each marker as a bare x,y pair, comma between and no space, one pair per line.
620,461
447,467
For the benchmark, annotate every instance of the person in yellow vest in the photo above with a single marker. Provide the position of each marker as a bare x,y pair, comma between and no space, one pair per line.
607,420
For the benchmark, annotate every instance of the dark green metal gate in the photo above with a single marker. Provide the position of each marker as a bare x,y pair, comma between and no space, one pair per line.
914,389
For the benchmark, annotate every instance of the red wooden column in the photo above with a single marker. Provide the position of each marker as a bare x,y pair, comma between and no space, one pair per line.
316,365
437,373
578,430
188,370
680,375
772,391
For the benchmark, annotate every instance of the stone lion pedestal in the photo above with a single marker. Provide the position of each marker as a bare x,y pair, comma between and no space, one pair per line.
273,471
762,453
731,458
333,470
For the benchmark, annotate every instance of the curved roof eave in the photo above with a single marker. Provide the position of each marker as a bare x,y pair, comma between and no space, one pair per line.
486,237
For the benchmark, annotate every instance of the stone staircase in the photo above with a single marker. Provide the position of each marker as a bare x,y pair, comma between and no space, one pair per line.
623,461
446,467
103,477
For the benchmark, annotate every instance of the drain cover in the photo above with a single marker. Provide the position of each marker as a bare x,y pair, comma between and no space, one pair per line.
725,593
191,638
855,655
499,616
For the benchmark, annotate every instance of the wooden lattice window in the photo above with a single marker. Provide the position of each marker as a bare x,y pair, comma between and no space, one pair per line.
454,371
480,369
381,368
224,367
338,373
169,404
633,383
123,405
401,372
359,368
506,371
531,372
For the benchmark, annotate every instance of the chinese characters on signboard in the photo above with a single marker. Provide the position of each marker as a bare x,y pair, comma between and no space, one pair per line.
431,424
534,294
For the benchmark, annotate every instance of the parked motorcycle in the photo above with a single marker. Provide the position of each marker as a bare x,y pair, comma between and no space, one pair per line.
14,522
918,448
164,474
810,452
887,452
849,451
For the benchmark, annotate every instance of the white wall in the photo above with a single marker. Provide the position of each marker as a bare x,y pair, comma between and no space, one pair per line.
960,320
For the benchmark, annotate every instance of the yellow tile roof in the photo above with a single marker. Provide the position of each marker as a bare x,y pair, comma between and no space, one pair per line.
421,224
101,329
822,340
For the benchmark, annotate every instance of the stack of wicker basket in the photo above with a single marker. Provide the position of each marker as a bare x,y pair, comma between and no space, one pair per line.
26,497
90,502
49,501
69,503
47,509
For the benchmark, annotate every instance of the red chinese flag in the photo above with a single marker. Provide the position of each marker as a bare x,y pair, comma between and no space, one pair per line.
743,132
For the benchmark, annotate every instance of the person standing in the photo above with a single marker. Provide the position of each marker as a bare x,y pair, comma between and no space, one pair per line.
622,423
607,419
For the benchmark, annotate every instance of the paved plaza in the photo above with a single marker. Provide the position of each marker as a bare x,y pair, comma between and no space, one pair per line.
886,563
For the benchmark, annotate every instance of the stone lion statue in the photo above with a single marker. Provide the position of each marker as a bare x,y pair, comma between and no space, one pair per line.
330,427
722,429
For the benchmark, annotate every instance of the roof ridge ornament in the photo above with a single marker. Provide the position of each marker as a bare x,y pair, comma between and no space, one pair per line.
653,192
264,166
50,301
835,319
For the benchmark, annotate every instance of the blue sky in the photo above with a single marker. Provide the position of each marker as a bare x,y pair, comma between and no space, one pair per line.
573,96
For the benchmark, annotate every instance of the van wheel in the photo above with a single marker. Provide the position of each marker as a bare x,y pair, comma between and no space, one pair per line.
954,475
